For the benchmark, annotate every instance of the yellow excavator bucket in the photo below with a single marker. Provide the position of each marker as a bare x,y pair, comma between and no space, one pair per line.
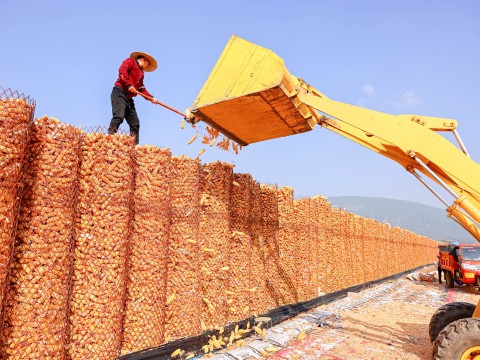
249,96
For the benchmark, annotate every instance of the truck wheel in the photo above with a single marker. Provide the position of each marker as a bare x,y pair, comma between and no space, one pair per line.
447,314
449,279
459,340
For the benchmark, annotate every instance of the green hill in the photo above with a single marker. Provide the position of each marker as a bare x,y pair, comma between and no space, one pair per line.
421,219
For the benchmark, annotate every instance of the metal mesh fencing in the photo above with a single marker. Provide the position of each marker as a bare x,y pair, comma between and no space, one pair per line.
314,244
349,245
343,256
16,115
381,249
240,288
406,251
395,236
406,242
358,258
103,228
121,248
370,247
325,265
336,252
318,243
377,240
259,300
303,240
144,323
183,308
318,214
365,247
287,245
214,238
35,325
413,246
271,254
388,253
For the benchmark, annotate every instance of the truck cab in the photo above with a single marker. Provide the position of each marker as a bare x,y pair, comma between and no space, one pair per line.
460,264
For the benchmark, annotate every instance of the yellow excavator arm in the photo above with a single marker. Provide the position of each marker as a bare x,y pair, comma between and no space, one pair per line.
250,96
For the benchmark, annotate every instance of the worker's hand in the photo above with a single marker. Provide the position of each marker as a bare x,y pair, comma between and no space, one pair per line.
155,101
188,114
132,89
189,117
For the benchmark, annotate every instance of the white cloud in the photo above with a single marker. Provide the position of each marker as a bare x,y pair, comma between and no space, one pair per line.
369,90
407,100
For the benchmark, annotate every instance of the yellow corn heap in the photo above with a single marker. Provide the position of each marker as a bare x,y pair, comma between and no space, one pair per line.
192,265
15,119
214,241
144,316
101,246
182,316
249,96
43,250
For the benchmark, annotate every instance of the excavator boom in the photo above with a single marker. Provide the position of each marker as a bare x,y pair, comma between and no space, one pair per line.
250,96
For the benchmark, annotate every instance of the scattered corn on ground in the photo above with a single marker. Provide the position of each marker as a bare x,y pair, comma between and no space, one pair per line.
170,244
388,321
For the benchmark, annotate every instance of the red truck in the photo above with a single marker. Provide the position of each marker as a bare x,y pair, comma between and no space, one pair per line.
460,264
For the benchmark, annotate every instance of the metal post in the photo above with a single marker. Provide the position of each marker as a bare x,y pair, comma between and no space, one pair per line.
460,142
430,188
440,181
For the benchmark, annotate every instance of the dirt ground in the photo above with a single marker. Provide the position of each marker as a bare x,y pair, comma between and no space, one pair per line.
388,321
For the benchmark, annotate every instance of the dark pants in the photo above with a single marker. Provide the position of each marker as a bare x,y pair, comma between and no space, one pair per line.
123,108
439,269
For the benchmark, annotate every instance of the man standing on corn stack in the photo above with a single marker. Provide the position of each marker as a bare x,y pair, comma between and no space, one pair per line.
127,86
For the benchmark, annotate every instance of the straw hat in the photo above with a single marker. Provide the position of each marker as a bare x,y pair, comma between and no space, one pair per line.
153,62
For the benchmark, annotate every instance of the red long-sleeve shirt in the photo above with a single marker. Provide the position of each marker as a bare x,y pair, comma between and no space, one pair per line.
130,74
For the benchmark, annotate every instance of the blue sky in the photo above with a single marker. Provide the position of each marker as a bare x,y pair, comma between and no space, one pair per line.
410,56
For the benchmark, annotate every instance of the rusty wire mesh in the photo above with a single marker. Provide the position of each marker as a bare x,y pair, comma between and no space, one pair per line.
271,254
144,323
388,253
324,260
16,115
311,254
317,210
35,323
379,250
358,256
287,245
215,190
162,244
335,275
315,248
103,228
183,309
259,300
318,241
342,256
240,249
349,245
395,237
303,256
369,247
